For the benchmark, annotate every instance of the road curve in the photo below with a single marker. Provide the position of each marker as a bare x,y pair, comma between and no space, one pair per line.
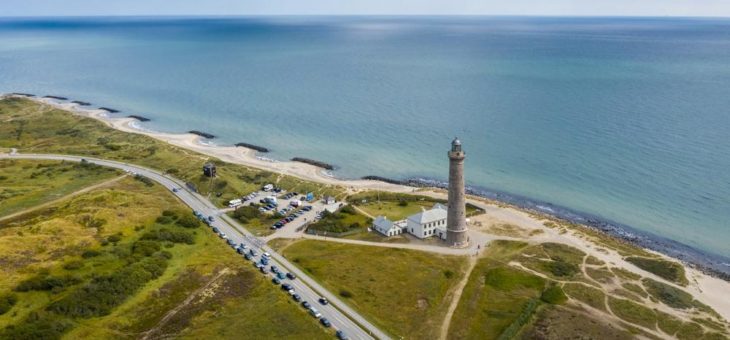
340,315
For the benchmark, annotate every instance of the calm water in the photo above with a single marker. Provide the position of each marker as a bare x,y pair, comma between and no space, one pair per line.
626,119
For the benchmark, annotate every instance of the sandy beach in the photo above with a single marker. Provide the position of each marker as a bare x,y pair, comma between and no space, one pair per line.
705,288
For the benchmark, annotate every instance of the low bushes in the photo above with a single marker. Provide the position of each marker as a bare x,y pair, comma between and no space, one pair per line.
38,325
669,270
7,302
102,294
174,236
670,296
46,282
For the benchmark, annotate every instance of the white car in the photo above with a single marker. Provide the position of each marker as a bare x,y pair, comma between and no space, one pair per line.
315,313
266,255
224,236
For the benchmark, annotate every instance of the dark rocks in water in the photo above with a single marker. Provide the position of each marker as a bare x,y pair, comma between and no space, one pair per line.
313,162
139,118
202,134
110,110
253,147
385,179
81,103
56,97
23,94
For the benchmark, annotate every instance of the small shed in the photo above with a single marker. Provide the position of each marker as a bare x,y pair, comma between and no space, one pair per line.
209,170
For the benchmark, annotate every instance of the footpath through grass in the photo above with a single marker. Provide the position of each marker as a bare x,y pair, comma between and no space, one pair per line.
25,184
112,262
401,291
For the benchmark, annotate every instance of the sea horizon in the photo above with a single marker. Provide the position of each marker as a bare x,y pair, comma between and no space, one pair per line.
640,171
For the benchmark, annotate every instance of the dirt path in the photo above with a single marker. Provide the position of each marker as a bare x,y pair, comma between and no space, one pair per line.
52,202
146,335
458,290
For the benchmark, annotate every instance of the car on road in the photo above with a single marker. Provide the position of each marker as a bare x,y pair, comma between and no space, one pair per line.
306,304
341,335
211,219
281,276
252,252
239,250
315,313
248,257
290,276
223,235
231,243
325,322
267,255
296,297
275,281
264,270
286,286
274,269
174,189
323,301
215,230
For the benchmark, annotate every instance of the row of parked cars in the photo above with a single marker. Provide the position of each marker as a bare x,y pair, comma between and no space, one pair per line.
278,275
290,217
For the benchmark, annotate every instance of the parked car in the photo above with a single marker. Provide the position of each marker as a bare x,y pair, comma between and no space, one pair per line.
281,276
215,230
223,235
306,304
290,276
286,286
296,297
274,269
341,335
264,270
248,257
211,219
266,254
325,322
323,301
275,281
315,313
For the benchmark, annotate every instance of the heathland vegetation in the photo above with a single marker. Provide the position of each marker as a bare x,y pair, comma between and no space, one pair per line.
405,292
118,260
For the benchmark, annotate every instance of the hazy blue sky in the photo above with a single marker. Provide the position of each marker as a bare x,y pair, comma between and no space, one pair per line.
445,7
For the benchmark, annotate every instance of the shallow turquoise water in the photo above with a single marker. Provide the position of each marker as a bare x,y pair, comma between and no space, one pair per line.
626,119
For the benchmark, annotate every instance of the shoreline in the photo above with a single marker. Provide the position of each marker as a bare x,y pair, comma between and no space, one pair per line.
707,282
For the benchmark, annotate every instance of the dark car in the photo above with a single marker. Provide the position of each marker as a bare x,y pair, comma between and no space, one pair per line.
274,269
306,304
290,276
275,281
325,322
341,335
286,286
248,257
323,301
215,230
296,297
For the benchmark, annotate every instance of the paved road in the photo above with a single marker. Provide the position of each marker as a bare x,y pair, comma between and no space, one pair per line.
342,316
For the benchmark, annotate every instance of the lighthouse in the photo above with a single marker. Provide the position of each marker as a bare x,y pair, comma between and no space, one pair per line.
456,215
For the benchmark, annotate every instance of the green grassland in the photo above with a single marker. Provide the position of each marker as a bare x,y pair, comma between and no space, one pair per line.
114,261
398,206
36,128
345,220
25,184
402,291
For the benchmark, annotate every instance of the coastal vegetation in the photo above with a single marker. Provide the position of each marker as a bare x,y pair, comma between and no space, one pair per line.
397,206
405,292
125,258
344,220
25,184
668,270
254,220
32,127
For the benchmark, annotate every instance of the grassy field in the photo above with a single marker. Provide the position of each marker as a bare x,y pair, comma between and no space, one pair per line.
402,291
398,206
345,220
140,240
32,127
25,184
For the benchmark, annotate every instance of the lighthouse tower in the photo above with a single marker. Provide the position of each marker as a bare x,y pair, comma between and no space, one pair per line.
456,217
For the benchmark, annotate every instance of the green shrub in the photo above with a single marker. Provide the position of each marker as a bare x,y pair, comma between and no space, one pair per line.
668,270
671,296
527,310
553,295
148,182
145,247
248,212
103,293
188,221
164,234
345,293
348,209
114,238
38,325
45,282
90,253
164,219
7,302
561,268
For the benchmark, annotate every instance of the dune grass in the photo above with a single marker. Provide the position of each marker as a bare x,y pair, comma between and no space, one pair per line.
33,127
111,230
402,291
25,184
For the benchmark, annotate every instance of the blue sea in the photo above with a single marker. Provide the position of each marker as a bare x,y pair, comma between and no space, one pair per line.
625,120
